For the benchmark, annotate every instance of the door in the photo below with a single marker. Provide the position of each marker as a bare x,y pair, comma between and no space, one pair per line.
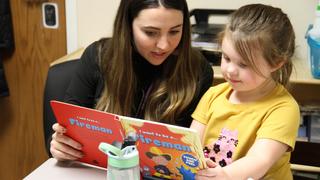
21,129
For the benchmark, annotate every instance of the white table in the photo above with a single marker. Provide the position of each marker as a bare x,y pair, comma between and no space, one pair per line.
52,169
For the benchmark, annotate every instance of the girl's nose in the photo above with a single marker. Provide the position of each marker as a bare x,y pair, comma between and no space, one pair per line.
231,69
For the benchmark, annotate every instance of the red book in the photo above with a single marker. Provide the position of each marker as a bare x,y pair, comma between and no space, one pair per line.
89,127
165,151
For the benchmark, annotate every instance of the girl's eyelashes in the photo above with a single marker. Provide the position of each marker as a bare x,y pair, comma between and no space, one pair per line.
225,57
242,65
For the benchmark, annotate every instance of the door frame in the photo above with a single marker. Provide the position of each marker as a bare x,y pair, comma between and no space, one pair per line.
71,25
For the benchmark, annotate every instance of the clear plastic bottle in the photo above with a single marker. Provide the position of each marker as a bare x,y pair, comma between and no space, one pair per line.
123,164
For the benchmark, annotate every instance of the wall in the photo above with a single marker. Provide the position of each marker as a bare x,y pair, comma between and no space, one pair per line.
95,19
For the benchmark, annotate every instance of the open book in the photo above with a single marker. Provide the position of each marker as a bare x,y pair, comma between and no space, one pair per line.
165,151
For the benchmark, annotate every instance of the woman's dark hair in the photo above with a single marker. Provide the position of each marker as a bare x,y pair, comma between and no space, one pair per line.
173,92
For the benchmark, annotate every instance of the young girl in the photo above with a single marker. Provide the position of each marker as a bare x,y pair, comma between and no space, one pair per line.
249,124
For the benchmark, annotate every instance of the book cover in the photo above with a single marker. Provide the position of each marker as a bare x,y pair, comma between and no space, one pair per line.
165,151
89,127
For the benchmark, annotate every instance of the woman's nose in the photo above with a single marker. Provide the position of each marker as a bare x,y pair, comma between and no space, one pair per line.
163,43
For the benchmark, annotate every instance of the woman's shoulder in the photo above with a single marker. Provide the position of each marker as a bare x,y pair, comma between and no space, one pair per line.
96,46
202,62
93,50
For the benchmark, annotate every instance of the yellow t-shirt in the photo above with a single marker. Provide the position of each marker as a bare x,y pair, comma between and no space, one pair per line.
231,129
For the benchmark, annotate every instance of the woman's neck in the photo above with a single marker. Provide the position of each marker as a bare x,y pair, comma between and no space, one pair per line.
239,97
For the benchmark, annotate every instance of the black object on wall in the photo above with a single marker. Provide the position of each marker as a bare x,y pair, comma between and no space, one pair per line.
4,90
6,41
6,31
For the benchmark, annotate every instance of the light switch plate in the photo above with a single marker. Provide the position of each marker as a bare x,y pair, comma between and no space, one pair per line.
50,15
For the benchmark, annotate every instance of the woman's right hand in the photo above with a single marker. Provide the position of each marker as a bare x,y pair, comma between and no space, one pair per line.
63,147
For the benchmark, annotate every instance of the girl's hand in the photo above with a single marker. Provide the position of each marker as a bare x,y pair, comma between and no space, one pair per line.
62,147
214,171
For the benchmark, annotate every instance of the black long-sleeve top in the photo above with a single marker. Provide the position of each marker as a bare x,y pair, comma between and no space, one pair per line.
87,83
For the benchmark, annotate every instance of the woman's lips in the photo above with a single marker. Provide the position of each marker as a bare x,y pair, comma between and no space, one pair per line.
156,54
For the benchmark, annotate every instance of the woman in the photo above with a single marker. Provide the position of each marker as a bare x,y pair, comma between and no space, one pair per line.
146,70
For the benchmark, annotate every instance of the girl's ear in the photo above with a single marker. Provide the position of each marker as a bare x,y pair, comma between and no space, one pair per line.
278,66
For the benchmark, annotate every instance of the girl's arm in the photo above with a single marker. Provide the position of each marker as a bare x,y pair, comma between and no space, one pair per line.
199,128
261,156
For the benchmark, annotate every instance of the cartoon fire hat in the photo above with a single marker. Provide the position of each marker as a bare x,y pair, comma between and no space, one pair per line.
154,151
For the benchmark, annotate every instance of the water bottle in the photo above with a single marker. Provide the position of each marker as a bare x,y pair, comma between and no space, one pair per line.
313,40
314,33
123,164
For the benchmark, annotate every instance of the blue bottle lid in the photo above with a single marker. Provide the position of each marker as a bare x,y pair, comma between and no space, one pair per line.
314,43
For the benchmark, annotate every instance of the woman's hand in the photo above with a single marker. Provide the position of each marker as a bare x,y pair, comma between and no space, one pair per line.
62,147
214,171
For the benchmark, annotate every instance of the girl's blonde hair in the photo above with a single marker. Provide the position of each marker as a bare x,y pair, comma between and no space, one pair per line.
261,28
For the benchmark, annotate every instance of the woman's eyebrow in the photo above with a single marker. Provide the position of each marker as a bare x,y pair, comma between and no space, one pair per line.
150,27
156,28
179,25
